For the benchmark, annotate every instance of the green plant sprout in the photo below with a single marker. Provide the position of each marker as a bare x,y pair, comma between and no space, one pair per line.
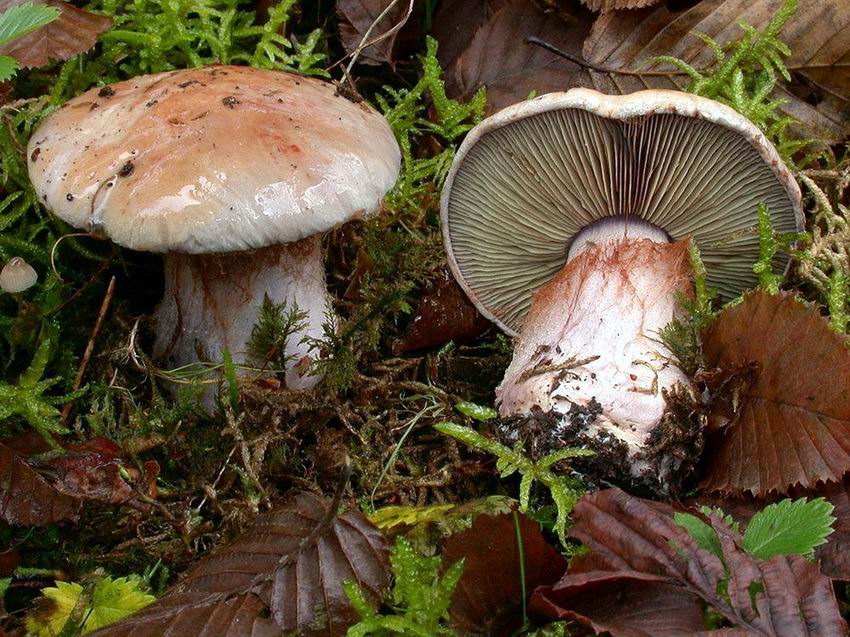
276,323
744,76
26,399
770,244
405,111
565,491
420,598
151,36
682,335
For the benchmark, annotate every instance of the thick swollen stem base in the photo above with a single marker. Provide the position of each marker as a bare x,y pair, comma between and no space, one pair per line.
212,303
590,348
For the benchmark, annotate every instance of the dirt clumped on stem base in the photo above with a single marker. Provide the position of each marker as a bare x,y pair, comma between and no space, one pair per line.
673,447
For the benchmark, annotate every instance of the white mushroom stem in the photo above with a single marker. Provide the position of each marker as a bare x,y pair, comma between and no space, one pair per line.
212,303
591,338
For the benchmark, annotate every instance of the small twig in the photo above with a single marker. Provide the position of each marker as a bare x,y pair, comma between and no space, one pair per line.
84,362
676,72
596,67
365,43
571,363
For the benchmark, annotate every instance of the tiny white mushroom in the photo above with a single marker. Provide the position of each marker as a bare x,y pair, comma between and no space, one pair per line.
17,276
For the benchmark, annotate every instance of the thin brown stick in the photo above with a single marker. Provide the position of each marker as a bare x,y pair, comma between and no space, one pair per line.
677,72
84,362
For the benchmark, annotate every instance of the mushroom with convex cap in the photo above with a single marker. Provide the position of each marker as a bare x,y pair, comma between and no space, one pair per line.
566,220
17,276
234,173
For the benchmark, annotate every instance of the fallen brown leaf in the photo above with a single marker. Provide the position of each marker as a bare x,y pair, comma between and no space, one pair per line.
198,615
290,564
443,314
637,540
818,35
488,598
26,498
75,31
625,604
358,16
793,421
35,491
495,53
457,22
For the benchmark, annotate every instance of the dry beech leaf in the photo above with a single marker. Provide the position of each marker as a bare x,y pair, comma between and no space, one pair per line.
35,492
633,538
793,421
26,498
75,31
617,5
625,604
457,22
818,35
357,16
443,314
285,573
198,615
488,598
498,57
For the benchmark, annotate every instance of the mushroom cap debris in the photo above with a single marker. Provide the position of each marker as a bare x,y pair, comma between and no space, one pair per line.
527,180
217,159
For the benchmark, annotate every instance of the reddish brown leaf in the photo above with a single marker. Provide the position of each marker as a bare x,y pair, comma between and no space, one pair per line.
356,18
198,615
26,498
617,5
444,314
818,36
625,604
499,58
783,596
457,22
52,490
793,426
488,597
75,31
291,564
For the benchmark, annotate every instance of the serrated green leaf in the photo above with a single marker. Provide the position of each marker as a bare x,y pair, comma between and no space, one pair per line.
789,527
50,623
25,18
8,67
702,533
111,600
114,599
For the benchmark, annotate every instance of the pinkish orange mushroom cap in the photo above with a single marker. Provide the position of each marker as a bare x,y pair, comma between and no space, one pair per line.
217,159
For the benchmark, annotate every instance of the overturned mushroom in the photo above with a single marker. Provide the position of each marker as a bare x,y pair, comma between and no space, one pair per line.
234,173
17,276
566,220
